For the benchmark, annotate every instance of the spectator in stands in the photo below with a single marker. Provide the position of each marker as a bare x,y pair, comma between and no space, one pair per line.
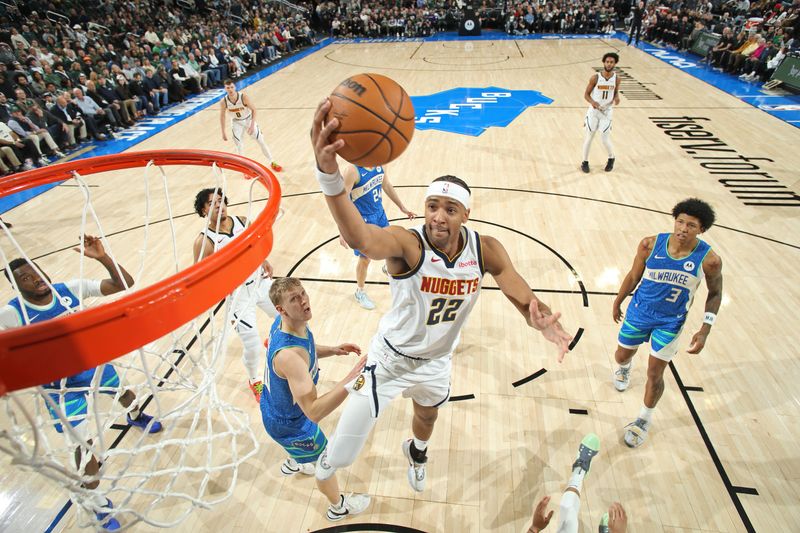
69,115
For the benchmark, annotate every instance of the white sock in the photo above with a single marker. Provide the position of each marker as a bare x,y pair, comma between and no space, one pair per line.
134,411
626,366
341,502
98,500
576,479
646,413
420,445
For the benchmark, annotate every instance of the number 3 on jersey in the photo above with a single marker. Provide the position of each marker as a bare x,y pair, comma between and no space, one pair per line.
443,310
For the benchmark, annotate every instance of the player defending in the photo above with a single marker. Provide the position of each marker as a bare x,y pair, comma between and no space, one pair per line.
243,118
290,406
220,230
601,93
38,302
614,521
670,267
436,271
365,187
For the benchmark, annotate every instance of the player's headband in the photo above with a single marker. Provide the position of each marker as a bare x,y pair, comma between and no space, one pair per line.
449,190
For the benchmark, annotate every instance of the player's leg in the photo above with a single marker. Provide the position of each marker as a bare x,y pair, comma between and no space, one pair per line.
634,331
605,136
429,394
259,137
262,299
570,505
243,319
590,126
110,384
237,131
663,343
362,266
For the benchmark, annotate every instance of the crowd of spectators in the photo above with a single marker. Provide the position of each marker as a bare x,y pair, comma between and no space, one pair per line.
80,70
73,71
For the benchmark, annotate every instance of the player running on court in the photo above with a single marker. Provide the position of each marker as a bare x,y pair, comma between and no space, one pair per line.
670,267
243,120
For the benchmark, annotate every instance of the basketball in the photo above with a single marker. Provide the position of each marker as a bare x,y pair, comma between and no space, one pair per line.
376,119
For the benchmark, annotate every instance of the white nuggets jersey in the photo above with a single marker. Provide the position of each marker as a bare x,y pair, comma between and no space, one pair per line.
220,239
431,302
603,92
239,110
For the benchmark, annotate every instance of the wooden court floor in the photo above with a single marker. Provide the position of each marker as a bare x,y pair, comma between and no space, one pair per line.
721,454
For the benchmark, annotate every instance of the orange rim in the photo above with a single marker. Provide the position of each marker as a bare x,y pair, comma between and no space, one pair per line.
80,341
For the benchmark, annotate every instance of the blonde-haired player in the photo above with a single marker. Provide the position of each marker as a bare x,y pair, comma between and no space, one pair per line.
243,119
601,93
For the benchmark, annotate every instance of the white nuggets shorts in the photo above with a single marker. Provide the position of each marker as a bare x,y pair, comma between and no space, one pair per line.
597,120
388,375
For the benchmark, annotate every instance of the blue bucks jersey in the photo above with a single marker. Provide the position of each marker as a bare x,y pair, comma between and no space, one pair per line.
276,399
64,302
668,284
367,193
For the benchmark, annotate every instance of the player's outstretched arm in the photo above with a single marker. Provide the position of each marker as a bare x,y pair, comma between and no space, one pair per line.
712,266
119,279
292,364
374,242
633,276
537,314
342,349
541,518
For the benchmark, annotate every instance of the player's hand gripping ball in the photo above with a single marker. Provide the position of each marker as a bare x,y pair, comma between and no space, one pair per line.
376,119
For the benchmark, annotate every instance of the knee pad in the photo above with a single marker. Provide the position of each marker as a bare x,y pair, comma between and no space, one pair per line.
324,470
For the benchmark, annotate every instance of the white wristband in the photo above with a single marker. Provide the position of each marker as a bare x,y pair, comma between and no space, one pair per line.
331,184
709,319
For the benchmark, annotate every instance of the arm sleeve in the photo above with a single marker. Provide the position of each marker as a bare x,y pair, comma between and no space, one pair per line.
9,318
90,287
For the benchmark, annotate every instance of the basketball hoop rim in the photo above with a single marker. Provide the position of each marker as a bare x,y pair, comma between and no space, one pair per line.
84,340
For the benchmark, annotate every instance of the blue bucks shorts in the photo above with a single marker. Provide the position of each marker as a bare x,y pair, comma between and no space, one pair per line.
74,403
663,332
377,219
302,439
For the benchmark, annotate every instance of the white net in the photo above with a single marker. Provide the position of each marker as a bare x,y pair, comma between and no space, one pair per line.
78,431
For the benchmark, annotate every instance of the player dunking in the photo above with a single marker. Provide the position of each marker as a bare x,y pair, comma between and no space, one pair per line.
219,231
365,187
436,273
243,119
670,267
40,300
290,406
601,93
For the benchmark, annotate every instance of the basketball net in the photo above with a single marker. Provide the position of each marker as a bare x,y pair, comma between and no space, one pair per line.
157,478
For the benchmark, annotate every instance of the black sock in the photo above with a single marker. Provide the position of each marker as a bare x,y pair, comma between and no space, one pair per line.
416,455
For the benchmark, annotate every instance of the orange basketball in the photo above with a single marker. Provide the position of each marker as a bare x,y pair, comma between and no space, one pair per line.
376,119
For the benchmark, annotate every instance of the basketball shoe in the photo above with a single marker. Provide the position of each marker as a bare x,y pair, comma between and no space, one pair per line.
108,524
275,166
609,164
291,467
636,432
585,167
143,421
587,449
363,300
256,387
622,377
350,504
417,462
603,528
